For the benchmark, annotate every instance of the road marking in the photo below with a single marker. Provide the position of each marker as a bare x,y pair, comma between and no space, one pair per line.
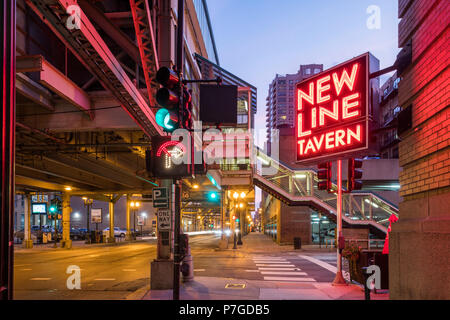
277,264
271,261
94,255
105,279
324,265
22,265
251,270
40,279
198,270
281,273
126,270
291,279
26,269
279,269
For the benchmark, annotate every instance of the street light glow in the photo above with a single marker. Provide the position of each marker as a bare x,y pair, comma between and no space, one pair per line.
68,188
242,194
235,195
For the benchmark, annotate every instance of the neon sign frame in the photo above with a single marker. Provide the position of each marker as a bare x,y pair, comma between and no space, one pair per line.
332,112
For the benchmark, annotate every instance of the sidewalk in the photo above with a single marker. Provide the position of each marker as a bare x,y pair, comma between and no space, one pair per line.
217,288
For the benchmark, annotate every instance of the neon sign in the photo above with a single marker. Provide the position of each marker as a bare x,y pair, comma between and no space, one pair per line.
332,111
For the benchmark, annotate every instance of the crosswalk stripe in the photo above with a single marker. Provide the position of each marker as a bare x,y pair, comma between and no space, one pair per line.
105,279
274,265
271,261
279,269
40,279
291,279
281,273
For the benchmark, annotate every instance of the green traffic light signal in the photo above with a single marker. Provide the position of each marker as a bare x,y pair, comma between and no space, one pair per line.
52,209
213,196
166,119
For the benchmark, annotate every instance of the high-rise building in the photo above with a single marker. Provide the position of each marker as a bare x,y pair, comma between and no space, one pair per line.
389,110
280,111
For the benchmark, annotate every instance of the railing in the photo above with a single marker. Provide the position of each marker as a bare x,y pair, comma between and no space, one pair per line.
300,184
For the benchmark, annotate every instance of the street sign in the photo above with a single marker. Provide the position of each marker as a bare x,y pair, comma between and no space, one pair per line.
39,198
333,112
164,220
96,215
39,208
161,198
140,221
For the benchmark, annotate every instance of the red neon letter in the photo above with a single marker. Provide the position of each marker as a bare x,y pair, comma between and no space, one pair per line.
345,79
308,97
346,104
321,89
325,112
356,135
300,127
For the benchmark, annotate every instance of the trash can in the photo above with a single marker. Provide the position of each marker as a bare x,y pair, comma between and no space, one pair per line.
297,243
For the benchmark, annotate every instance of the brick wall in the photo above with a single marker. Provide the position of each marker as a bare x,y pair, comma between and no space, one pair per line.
420,242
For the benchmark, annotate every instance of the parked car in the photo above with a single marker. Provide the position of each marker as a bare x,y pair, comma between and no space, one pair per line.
118,232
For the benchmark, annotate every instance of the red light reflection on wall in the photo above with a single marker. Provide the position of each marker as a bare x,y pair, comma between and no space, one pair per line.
332,111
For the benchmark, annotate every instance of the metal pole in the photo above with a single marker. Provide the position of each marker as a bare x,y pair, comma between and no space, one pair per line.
179,65
176,270
339,279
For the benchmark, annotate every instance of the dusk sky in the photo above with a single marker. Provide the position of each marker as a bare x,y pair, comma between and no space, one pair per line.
256,39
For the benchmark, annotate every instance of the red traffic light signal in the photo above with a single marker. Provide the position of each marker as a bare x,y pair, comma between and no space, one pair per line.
324,176
354,174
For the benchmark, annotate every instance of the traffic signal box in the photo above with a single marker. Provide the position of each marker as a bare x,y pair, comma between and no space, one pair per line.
161,159
55,210
354,174
324,176
172,115
168,98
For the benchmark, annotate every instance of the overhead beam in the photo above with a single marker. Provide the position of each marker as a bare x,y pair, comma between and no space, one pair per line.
33,91
99,17
55,80
145,37
91,48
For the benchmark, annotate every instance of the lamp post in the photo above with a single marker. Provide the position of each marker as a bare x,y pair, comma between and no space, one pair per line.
134,206
87,205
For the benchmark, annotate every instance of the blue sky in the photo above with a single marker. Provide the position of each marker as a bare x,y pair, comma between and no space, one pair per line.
256,39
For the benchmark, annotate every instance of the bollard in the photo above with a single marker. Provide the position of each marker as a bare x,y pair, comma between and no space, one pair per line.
366,288
187,266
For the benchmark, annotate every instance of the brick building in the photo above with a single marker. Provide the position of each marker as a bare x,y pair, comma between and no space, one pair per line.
419,256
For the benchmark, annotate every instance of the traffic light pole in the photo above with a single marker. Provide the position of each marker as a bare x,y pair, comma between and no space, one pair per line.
339,279
179,65
8,120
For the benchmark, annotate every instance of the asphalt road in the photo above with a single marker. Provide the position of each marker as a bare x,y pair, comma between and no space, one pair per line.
116,271
107,271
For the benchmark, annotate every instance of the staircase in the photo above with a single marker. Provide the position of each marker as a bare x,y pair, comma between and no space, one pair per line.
298,187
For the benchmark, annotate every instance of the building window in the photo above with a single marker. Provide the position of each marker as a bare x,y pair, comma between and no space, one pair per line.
396,82
317,70
308,71
395,153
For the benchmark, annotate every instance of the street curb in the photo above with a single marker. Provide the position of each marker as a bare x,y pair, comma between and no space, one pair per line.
138,294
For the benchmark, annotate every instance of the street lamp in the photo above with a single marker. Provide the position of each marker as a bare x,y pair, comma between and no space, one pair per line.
87,205
134,206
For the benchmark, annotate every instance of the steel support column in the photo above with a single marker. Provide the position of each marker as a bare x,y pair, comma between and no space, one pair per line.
27,242
128,235
66,211
111,221
8,120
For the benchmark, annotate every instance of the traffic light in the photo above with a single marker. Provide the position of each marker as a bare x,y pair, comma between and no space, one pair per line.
168,98
160,160
324,176
354,174
186,111
213,196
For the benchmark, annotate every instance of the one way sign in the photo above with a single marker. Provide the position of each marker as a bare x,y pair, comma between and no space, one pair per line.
164,220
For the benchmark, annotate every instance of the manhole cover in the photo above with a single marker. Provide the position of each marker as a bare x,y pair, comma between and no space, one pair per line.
235,286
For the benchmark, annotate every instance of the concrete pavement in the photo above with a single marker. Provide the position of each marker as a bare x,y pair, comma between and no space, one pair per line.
262,270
